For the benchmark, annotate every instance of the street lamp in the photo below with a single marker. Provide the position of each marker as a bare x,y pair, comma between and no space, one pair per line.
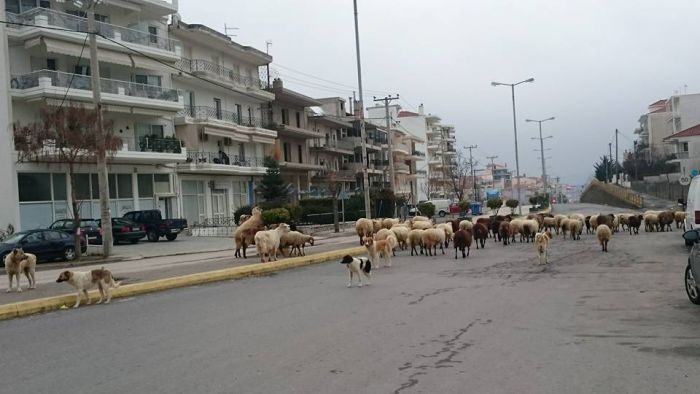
544,171
515,131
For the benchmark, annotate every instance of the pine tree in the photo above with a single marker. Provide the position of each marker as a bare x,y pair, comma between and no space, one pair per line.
272,187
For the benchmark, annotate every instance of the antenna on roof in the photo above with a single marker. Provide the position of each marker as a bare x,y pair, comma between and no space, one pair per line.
226,29
268,43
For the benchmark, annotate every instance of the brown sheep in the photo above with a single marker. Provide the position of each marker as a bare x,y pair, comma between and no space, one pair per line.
486,222
462,240
504,232
245,233
679,217
633,223
495,225
665,221
480,234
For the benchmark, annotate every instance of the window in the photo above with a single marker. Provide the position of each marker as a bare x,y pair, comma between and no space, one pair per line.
28,5
153,34
154,80
162,183
298,115
59,187
241,152
112,182
240,194
13,6
193,201
239,113
81,69
684,147
52,235
299,149
34,238
285,116
124,189
217,106
145,182
81,14
189,103
102,18
286,147
51,64
34,186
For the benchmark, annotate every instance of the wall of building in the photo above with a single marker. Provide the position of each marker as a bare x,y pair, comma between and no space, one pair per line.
9,204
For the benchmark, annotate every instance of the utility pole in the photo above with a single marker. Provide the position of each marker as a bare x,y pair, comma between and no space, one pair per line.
390,134
542,158
471,167
361,114
609,173
617,174
268,43
105,217
493,167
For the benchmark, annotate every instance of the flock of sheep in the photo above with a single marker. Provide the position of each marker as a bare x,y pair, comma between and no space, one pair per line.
423,237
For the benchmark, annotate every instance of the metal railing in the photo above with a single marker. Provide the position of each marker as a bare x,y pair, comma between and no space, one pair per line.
224,159
152,144
84,82
418,153
203,113
76,23
401,147
223,73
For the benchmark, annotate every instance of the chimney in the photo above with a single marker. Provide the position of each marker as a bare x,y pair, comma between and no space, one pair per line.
420,109
277,84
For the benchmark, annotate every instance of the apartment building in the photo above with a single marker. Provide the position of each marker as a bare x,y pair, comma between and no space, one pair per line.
664,118
441,148
225,123
685,147
46,64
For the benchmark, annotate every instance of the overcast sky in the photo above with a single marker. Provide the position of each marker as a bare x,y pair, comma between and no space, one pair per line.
597,64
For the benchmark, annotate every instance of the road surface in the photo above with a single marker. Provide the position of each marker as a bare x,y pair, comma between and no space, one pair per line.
495,323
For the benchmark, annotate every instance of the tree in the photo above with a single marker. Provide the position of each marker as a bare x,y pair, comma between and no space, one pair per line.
512,204
273,188
495,204
428,188
456,173
66,135
637,164
334,188
427,209
603,170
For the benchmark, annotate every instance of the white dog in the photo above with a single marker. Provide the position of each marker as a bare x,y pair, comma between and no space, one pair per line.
360,266
18,262
542,246
86,280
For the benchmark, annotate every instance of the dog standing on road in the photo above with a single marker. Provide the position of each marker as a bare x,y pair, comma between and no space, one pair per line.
542,245
379,248
18,262
86,280
360,266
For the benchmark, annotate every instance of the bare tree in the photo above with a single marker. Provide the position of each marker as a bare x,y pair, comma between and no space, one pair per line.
428,188
456,172
334,187
66,135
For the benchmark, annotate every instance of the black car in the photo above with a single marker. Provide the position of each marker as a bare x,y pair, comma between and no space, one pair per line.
155,226
88,227
45,244
124,230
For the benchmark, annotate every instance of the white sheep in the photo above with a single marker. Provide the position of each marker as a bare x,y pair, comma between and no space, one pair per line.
530,228
564,226
421,225
414,240
558,219
447,228
268,242
377,224
401,233
604,234
575,228
389,223
549,223
430,239
679,217
421,219
465,225
364,228
593,220
297,241
651,221
516,227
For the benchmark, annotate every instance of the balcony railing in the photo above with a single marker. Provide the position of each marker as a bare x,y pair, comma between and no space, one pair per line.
682,155
84,82
203,113
418,153
224,159
221,72
52,18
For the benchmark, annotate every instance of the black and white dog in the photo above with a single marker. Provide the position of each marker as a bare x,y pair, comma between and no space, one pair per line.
360,266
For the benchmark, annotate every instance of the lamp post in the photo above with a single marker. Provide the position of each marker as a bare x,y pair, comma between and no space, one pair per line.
544,168
515,131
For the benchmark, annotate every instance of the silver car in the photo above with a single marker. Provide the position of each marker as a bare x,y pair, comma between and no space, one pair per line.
692,270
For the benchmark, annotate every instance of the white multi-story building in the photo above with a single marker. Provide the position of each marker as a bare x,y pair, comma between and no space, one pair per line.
45,63
224,123
441,147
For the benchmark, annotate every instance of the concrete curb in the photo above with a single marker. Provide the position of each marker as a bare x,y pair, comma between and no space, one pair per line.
25,308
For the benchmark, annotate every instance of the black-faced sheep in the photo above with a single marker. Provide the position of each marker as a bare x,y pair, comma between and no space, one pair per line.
462,240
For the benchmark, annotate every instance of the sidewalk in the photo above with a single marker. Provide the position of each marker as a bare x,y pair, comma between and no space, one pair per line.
151,266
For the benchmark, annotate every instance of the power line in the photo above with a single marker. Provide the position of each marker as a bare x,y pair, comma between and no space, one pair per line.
70,84
327,80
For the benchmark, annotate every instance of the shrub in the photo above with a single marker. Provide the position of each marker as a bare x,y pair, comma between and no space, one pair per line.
512,204
244,210
427,209
295,211
494,203
275,216
463,205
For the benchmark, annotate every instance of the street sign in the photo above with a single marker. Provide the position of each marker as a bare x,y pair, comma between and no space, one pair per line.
684,180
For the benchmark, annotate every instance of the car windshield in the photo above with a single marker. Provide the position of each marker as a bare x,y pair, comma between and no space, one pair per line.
88,223
14,238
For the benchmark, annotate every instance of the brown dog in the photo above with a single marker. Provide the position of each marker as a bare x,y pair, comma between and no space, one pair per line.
18,262
377,248
86,280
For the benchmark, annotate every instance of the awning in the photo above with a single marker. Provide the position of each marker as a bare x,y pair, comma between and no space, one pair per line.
263,140
143,62
227,134
71,49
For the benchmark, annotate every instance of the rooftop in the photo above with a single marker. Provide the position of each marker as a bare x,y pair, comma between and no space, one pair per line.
689,132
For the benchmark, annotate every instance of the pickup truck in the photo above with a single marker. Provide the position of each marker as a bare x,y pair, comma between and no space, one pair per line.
155,225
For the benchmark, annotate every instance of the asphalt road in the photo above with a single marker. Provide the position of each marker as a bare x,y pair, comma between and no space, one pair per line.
495,323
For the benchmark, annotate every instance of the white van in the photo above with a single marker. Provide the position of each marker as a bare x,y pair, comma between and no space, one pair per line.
692,208
442,206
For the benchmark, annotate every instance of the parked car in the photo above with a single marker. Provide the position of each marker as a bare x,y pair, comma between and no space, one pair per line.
88,227
124,230
454,208
156,226
45,244
692,270
442,206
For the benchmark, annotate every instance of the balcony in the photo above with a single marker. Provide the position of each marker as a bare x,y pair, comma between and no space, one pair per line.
56,84
339,146
210,70
359,168
145,150
228,124
401,168
71,24
293,165
372,145
338,175
216,163
401,149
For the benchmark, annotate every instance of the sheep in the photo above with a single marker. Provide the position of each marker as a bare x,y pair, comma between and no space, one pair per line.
530,228
455,224
516,227
431,238
679,217
633,223
414,239
401,233
465,225
245,233
297,241
593,220
268,242
480,232
557,222
616,223
665,220
388,223
364,228
603,233
587,222
422,225
564,227
537,217
504,232
447,228
377,224
421,219
607,220
575,229
578,216
462,240
486,222
651,222
495,225
623,220
243,218
549,223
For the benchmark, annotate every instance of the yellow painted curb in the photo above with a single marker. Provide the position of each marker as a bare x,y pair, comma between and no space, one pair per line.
25,308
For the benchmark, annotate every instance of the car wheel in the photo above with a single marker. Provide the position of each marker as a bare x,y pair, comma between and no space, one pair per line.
171,237
69,253
691,286
442,214
134,241
152,236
